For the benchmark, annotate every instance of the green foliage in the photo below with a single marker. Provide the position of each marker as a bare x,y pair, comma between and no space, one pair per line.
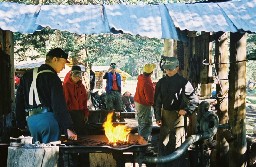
251,54
251,44
128,51
33,42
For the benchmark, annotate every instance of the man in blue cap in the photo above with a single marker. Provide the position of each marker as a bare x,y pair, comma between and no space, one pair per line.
40,102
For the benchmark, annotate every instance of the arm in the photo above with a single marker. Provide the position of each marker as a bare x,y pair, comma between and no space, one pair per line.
105,75
58,105
60,110
66,94
157,102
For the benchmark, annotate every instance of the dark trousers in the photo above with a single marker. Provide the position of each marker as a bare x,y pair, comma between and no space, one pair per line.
173,131
77,117
77,159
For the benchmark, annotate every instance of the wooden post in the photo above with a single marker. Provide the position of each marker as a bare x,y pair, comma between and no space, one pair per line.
6,72
186,47
203,46
102,159
10,51
222,61
236,96
168,47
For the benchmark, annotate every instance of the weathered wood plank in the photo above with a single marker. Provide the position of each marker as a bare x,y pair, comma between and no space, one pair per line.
102,160
33,157
236,99
222,64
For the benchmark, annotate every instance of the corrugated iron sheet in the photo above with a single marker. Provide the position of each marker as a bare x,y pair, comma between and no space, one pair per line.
152,21
19,17
200,17
241,13
80,19
135,19
159,21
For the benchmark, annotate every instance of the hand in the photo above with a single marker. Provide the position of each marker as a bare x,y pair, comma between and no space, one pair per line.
71,135
159,123
182,112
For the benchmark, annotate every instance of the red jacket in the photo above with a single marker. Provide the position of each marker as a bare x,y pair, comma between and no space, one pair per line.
75,95
145,91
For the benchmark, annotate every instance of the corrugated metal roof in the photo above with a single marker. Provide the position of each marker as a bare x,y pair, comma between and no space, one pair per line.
19,17
80,19
200,17
135,19
241,13
159,21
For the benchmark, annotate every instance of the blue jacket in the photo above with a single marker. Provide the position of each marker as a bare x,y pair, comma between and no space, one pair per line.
109,77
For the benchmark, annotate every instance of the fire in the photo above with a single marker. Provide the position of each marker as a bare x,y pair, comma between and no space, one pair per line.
117,133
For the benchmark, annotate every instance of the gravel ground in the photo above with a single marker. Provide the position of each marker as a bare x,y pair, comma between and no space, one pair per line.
250,114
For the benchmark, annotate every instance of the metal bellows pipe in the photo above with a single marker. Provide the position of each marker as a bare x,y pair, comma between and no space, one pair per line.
176,154
208,124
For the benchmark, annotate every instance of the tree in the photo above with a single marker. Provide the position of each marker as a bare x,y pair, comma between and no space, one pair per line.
251,55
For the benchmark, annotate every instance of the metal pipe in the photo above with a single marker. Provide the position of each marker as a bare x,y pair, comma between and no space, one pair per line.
176,154
208,125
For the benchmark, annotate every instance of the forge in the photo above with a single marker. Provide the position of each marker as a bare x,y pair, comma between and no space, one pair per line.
99,141
95,146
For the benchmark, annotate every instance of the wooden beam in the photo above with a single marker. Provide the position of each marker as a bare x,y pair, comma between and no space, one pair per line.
202,51
10,52
236,99
6,72
40,156
221,65
168,47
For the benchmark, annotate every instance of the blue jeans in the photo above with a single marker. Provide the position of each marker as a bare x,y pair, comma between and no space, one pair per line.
144,116
43,127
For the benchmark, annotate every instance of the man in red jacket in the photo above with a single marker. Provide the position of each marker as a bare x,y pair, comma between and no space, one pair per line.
76,99
144,100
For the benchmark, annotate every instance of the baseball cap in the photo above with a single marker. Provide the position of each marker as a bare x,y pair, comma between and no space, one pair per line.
58,52
148,68
171,63
76,70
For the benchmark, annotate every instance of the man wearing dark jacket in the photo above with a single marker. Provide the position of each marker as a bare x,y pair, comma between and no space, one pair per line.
40,102
144,100
174,99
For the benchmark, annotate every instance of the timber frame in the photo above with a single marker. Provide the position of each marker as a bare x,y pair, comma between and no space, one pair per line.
231,89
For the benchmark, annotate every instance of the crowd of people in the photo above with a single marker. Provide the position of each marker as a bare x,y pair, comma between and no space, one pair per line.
50,108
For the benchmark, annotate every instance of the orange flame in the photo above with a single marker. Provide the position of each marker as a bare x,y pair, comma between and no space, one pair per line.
115,133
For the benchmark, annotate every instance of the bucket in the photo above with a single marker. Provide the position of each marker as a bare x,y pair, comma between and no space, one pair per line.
26,139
